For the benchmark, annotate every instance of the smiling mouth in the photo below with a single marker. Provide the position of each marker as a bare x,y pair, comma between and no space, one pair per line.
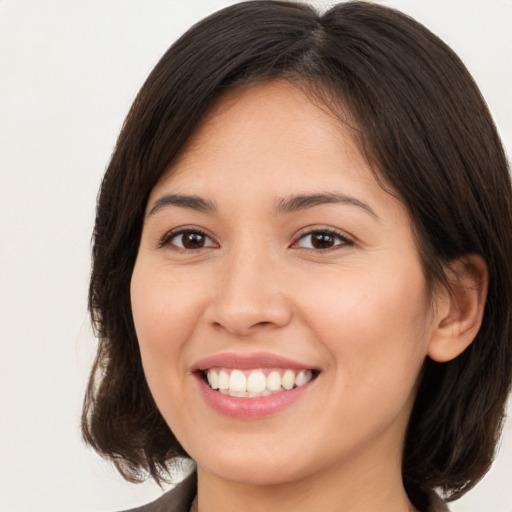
257,382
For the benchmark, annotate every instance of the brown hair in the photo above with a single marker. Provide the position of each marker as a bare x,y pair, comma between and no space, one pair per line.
420,121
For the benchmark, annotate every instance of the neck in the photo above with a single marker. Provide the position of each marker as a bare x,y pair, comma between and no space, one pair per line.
368,477
333,490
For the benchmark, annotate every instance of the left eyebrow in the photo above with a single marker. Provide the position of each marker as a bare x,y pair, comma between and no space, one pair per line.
184,201
303,202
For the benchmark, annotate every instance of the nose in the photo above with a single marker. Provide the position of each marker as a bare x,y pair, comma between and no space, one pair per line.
250,295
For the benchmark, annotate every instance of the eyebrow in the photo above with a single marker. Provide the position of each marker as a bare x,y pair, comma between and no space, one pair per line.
305,201
285,205
185,201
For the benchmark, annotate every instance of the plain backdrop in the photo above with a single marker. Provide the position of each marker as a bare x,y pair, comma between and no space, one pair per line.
69,70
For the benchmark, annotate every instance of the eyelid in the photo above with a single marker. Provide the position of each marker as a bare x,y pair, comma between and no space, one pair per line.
347,241
174,232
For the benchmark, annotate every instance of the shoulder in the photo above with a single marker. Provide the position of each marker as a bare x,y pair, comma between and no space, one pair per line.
178,499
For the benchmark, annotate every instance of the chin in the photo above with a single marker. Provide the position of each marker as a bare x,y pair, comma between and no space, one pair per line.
255,467
258,473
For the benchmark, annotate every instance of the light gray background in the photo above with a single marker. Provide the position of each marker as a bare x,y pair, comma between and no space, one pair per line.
69,72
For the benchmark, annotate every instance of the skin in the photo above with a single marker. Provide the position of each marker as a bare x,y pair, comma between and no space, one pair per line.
358,311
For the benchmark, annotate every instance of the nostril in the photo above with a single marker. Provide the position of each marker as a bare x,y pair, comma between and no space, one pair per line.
249,329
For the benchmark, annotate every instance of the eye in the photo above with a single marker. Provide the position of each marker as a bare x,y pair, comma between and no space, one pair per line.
322,239
188,239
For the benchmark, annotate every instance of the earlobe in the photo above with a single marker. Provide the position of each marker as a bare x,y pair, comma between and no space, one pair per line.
460,309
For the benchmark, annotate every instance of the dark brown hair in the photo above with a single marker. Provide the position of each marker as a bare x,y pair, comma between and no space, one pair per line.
422,124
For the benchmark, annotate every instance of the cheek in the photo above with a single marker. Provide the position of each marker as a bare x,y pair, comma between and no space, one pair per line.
165,315
375,324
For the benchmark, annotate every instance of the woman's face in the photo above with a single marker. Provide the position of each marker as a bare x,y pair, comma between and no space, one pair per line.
270,253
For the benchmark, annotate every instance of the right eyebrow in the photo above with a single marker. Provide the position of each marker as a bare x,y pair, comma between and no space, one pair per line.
184,201
306,201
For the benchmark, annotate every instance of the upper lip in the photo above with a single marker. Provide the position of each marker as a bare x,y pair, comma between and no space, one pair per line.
249,362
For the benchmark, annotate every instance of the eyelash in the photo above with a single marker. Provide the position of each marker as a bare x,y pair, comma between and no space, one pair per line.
345,241
171,235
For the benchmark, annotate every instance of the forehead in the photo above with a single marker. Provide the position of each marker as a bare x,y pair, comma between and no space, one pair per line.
268,129
261,145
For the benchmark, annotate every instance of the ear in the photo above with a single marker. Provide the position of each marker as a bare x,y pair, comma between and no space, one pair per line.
460,309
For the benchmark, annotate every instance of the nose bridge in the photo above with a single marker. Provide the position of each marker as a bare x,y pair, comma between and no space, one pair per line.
250,295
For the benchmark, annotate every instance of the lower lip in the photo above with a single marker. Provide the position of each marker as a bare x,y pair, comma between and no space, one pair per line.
251,408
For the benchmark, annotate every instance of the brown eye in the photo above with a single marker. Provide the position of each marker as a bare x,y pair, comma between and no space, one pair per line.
193,240
190,240
322,240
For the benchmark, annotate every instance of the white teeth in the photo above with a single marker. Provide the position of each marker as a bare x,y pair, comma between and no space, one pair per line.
254,383
213,380
288,379
223,380
273,381
237,381
302,377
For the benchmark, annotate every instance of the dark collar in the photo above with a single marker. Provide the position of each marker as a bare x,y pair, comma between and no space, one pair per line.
181,497
178,499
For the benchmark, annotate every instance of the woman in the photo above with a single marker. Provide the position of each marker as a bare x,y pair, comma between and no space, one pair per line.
301,275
